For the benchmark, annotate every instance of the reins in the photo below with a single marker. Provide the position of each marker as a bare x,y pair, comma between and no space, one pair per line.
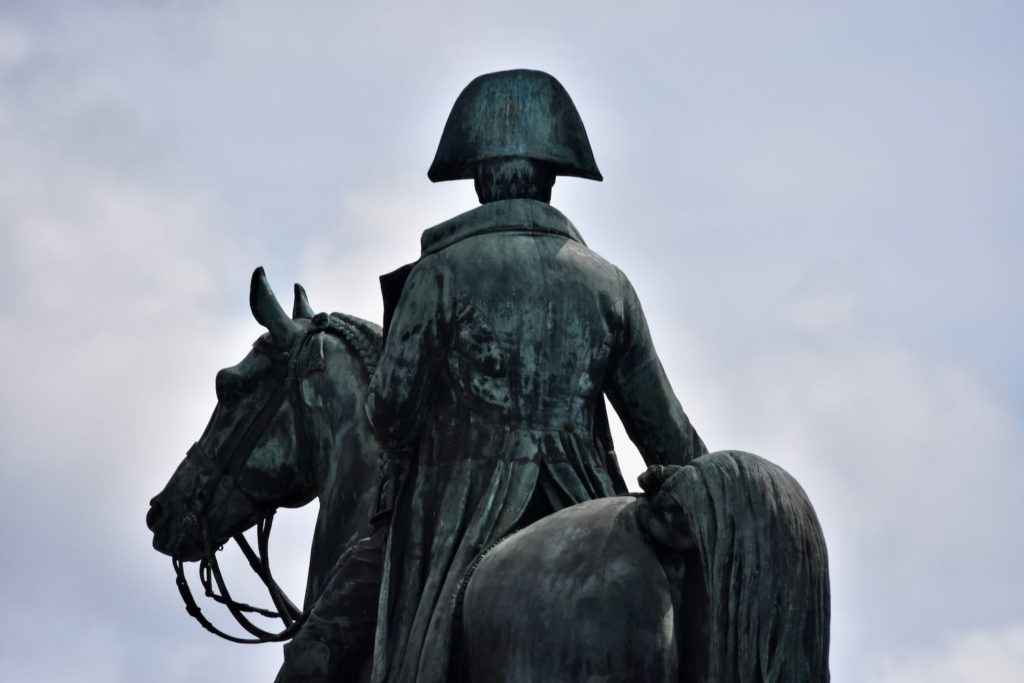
209,571
239,445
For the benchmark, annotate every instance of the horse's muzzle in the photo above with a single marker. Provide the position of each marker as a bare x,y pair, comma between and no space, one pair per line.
155,515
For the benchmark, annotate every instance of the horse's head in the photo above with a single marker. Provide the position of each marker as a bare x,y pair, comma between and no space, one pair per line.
261,449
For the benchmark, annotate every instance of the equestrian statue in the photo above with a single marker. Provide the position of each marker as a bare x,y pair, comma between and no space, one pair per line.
474,525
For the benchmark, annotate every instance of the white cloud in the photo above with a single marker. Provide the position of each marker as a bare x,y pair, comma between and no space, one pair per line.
815,207
910,460
15,44
114,318
375,232
992,656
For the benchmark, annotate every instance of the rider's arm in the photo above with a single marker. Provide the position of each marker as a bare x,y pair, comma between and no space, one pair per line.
406,376
642,396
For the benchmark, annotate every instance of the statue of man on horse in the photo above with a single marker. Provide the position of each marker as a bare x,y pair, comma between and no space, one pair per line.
485,408
501,343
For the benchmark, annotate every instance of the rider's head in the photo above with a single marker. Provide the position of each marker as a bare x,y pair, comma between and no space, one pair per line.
513,178
513,132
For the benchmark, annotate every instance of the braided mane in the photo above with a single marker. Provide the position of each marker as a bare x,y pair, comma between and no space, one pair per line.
364,338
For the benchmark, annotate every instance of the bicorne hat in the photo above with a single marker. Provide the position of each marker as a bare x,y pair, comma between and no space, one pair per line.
520,114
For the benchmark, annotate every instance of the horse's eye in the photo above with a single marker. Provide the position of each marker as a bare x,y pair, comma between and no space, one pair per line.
227,388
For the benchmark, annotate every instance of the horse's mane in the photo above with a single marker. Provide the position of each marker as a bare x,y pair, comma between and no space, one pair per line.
765,568
363,337
363,340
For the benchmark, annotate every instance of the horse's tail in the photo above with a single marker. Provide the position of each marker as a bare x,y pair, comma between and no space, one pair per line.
764,563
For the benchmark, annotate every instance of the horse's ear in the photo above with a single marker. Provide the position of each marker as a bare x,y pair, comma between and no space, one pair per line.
301,307
268,311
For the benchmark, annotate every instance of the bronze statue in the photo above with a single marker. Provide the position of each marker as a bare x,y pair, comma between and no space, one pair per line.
290,425
495,542
508,334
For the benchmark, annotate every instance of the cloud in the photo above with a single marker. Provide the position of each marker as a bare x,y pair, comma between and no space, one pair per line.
909,459
15,45
817,209
114,318
993,656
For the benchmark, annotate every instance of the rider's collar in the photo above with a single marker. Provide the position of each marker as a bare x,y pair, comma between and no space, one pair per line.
507,215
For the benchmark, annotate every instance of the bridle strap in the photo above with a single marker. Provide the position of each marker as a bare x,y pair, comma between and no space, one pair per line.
286,610
239,445
242,446
213,567
197,613
209,572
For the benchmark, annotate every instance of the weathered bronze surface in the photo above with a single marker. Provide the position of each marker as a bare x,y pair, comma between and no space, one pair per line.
587,593
518,114
473,524
290,425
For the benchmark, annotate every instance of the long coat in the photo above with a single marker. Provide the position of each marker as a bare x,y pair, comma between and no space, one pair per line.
507,333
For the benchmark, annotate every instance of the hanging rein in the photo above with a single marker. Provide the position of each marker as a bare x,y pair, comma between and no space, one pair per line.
239,447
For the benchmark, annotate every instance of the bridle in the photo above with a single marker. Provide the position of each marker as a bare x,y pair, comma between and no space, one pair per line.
291,366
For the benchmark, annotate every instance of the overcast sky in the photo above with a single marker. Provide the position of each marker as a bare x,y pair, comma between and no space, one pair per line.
819,205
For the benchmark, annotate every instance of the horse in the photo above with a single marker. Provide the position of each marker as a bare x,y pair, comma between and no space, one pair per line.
717,573
283,415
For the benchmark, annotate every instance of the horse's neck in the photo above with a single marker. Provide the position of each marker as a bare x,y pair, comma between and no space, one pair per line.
348,487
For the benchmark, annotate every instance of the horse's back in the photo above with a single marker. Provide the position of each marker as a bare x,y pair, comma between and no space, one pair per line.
577,596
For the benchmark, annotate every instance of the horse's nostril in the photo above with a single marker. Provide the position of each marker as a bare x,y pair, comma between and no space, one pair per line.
156,512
